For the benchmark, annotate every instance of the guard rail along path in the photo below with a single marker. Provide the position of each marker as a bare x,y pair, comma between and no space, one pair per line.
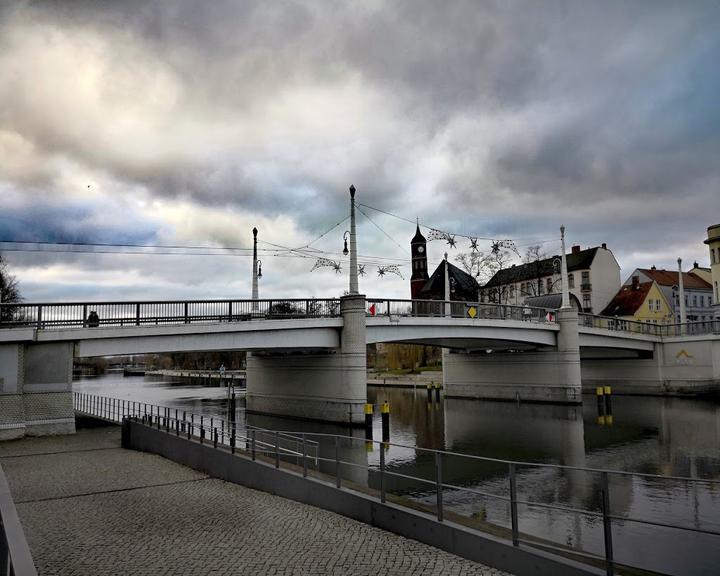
336,464
15,557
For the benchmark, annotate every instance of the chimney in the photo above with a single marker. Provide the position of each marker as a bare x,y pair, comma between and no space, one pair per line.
635,282
575,249
604,246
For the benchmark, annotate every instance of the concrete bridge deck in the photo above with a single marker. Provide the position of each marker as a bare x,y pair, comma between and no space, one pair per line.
90,507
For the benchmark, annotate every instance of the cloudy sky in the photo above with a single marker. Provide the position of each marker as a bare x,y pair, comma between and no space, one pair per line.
187,123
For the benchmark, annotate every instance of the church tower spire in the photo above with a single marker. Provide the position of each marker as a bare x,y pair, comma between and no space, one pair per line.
418,250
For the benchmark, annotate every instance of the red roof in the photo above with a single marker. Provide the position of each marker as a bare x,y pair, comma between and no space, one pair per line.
670,278
627,300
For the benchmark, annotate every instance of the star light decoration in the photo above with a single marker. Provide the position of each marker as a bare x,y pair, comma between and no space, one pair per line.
326,262
390,269
498,245
440,235
361,269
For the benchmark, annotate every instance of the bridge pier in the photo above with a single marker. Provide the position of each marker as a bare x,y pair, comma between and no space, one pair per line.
36,389
543,375
330,386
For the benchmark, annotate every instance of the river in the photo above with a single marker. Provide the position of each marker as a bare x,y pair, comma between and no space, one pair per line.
666,436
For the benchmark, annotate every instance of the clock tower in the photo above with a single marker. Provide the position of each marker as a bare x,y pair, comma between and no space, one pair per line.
418,249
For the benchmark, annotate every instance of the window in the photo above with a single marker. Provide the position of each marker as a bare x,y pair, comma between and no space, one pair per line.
695,300
549,285
712,255
586,302
512,290
657,305
571,280
650,304
541,287
586,277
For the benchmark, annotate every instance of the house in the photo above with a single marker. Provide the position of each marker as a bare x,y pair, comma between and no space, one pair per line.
713,242
698,292
640,302
593,278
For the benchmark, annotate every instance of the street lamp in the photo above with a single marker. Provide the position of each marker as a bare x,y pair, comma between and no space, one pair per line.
255,272
353,245
259,274
345,248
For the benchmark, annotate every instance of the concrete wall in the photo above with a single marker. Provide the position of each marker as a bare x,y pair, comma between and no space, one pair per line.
679,366
447,536
36,389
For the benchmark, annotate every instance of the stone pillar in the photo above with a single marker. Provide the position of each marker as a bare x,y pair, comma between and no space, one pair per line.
568,350
36,389
12,413
544,375
330,385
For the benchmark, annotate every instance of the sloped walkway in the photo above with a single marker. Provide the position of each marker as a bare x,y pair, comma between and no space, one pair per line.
90,507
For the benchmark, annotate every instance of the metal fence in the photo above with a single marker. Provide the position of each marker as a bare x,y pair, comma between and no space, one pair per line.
219,431
15,557
455,309
351,462
666,330
97,314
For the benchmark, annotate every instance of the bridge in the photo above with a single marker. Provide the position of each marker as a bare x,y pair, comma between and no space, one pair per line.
307,357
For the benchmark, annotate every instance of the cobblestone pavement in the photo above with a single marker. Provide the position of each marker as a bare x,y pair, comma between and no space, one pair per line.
90,507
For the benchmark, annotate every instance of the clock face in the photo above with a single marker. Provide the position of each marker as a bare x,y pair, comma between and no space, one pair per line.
421,249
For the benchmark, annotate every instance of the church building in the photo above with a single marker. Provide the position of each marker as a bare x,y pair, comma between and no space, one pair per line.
463,287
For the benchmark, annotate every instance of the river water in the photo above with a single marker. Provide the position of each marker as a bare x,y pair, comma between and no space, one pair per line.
666,436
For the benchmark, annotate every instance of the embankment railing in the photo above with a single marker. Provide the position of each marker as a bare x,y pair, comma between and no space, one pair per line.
214,429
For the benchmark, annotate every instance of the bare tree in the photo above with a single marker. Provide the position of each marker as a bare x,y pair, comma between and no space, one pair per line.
9,293
533,258
484,265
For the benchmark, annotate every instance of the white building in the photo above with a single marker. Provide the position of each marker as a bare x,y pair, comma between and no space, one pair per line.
713,242
593,277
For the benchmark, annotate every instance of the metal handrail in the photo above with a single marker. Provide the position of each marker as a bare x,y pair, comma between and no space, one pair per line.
615,324
43,315
194,425
15,557
460,309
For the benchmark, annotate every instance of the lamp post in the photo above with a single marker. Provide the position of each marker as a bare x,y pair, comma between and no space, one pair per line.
564,272
448,310
255,272
353,245
681,287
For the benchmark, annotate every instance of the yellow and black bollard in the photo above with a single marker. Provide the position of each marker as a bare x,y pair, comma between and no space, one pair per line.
437,392
368,421
385,415
600,393
608,404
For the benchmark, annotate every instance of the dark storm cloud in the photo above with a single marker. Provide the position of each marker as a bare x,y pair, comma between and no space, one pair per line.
499,118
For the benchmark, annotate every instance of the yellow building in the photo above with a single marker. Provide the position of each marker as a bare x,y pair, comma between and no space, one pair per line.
640,302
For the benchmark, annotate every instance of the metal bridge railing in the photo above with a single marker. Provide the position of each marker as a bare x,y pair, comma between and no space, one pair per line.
455,309
15,557
345,462
98,314
635,327
219,431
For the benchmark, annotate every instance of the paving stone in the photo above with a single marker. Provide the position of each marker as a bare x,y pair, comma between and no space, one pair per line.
111,511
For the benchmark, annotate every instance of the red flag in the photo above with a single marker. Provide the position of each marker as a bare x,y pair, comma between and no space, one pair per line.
372,310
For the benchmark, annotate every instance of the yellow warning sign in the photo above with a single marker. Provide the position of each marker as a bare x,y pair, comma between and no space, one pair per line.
472,311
